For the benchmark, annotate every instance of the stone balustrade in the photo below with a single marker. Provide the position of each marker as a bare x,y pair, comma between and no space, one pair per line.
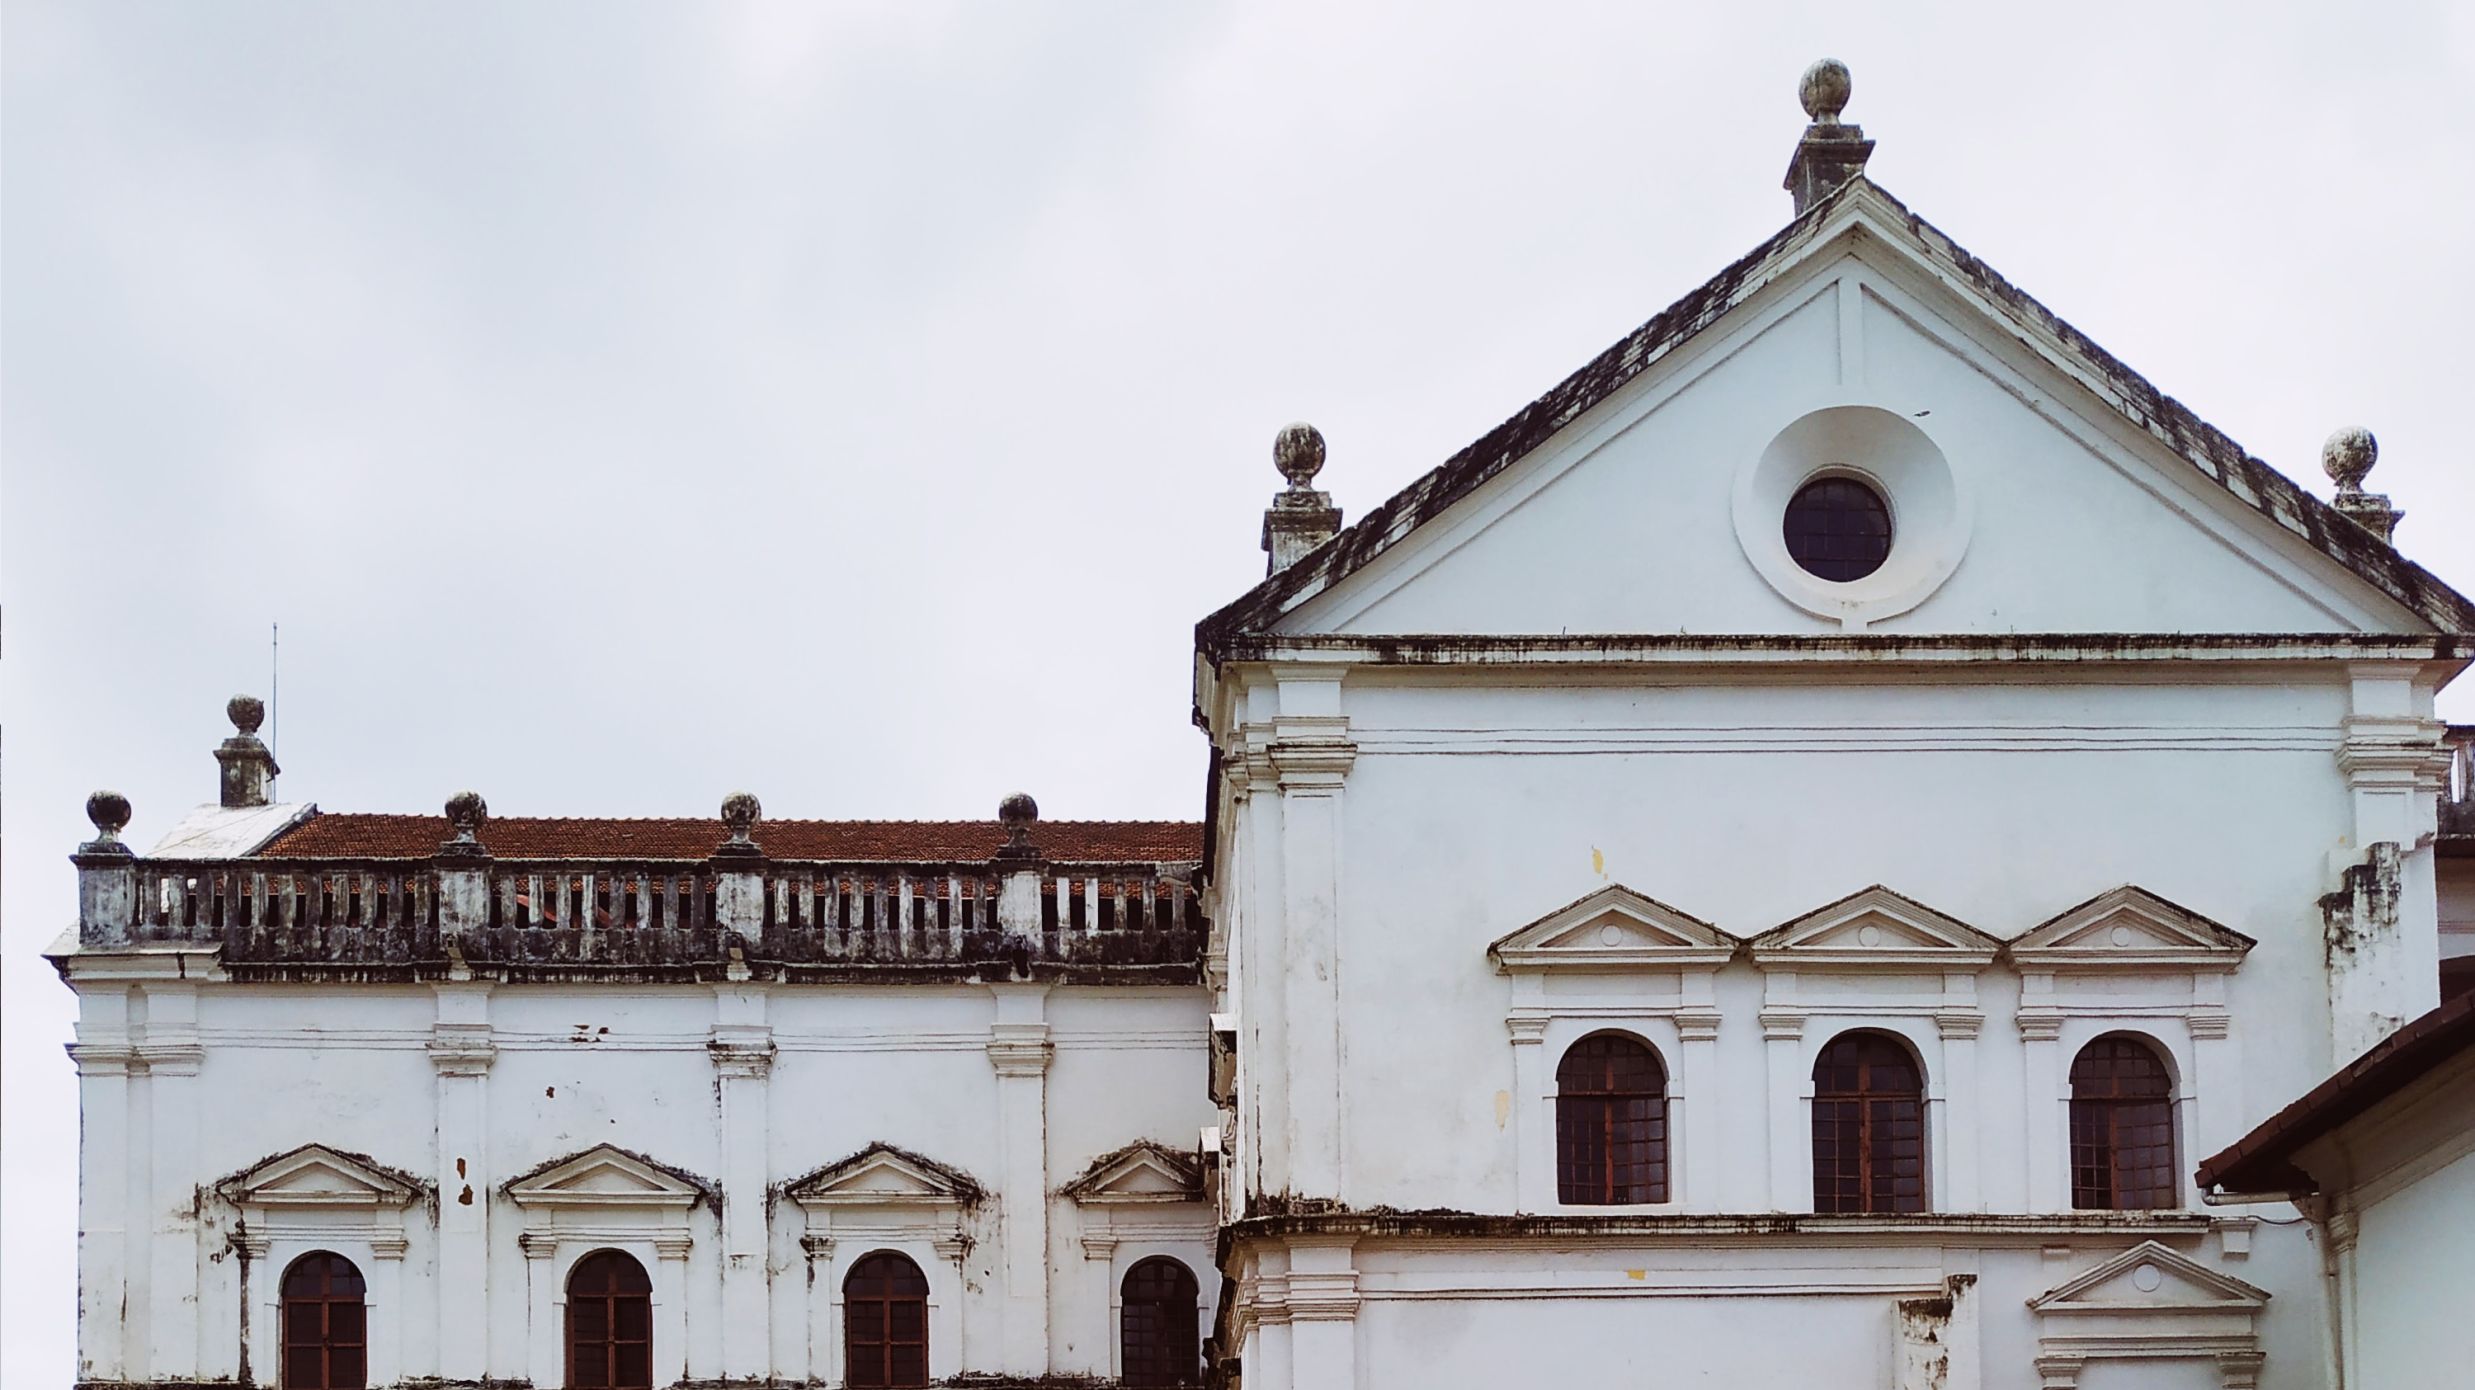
771,917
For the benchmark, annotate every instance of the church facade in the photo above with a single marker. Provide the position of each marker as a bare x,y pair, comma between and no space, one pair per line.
1772,866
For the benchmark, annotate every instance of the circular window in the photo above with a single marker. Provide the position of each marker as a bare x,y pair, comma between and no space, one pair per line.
1837,529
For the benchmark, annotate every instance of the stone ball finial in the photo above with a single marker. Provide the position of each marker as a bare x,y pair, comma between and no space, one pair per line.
1018,811
741,811
2348,457
1298,452
109,811
1824,91
466,811
246,712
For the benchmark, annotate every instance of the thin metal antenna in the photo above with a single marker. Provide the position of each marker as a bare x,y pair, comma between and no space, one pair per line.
274,703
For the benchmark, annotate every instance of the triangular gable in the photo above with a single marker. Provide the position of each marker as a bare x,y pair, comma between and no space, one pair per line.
2129,928
1859,206
1613,929
1875,928
882,1175
2176,1283
1141,1173
314,1175
607,1176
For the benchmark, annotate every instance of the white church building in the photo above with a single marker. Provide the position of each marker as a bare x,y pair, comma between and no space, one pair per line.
1772,867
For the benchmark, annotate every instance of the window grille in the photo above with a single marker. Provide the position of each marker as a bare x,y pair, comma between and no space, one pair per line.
1610,1124
1868,1127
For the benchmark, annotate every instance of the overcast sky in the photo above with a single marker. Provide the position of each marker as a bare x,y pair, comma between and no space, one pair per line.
617,405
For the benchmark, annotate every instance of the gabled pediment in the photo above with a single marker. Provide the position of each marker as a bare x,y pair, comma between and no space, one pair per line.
1140,1173
2149,1277
314,1175
1875,928
1627,498
882,1175
607,1176
1614,929
2129,928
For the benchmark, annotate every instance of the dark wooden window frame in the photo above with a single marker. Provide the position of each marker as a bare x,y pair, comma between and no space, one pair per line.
884,1314
1158,1341
320,1290
1611,1123
1870,1148
2122,1126
609,1322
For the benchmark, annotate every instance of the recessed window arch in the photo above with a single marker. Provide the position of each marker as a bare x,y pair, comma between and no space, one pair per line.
885,1322
2122,1126
1610,1123
609,1323
1158,1343
1868,1126
325,1324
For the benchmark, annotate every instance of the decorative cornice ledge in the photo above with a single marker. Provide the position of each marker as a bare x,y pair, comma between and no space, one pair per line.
1928,1227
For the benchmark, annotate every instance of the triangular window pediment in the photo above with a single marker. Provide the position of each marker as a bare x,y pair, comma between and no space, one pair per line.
317,1176
882,1175
1138,1173
2129,927
2149,1277
606,1176
1876,928
1614,929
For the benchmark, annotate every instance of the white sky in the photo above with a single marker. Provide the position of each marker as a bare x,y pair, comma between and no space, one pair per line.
620,404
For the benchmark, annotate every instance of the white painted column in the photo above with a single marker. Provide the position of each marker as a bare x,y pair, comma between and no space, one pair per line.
384,1326
1018,1048
1958,1027
1533,1110
1263,1034
2213,1089
824,1294
670,1323
461,1051
1788,1093
1323,1314
1269,1363
545,1322
742,1049
2047,1105
2386,969
1312,755
173,1057
107,1240
1695,1107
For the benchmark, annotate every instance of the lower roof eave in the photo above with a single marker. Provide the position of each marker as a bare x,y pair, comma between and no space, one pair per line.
1872,649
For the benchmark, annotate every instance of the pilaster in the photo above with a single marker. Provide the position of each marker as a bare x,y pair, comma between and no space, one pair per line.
1311,754
461,1051
742,1048
172,1056
2046,1104
108,1245
1533,1109
1019,1049
1789,1095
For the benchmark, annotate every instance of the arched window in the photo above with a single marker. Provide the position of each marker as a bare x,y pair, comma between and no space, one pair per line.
1868,1126
326,1327
609,1324
885,1322
1610,1123
2122,1126
1157,1340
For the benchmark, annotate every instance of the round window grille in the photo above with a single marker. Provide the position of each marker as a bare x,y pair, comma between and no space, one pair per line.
1837,529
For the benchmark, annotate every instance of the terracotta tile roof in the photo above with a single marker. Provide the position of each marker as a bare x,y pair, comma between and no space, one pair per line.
356,836
2263,1160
